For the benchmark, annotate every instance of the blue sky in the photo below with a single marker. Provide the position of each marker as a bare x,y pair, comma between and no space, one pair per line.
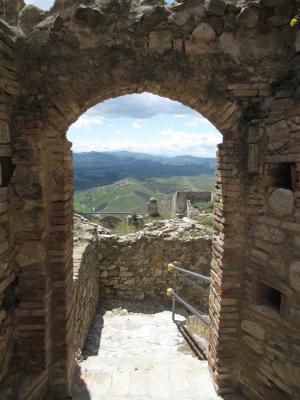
43,4
142,123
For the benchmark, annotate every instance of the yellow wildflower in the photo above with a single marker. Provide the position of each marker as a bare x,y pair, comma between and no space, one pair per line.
294,21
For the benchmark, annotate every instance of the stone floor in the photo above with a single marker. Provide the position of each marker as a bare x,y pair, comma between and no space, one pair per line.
139,356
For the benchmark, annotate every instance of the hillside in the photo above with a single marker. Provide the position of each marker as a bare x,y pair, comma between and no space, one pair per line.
93,169
131,195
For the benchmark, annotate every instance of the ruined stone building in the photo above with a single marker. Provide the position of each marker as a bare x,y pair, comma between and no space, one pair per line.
182,201
237,63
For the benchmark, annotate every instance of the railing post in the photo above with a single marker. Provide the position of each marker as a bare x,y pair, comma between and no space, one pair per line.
174,299
172,271
171,292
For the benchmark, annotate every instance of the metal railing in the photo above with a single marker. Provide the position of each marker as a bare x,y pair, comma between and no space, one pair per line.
171,292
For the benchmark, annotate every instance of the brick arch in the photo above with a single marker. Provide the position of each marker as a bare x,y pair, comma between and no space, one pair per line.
46,131
225,114
227,62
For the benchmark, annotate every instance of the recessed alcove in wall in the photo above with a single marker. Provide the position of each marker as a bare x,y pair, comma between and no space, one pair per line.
6,170
281,175
268,296
280,182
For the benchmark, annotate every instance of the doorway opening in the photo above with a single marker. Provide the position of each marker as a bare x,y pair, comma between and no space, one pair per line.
137,161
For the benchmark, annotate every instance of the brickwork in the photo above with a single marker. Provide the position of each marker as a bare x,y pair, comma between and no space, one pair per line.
8,272
270,315
237,66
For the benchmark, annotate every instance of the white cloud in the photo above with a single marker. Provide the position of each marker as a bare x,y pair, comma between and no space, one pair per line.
170,142
86,121
196,121
179,115
118,132
140,106
136,125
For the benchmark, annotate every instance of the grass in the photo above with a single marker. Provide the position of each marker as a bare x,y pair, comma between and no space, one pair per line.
204,205
207,221
131,195
124,229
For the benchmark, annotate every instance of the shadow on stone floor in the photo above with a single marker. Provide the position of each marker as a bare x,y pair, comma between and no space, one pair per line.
79,387
93,341
147,306
91,348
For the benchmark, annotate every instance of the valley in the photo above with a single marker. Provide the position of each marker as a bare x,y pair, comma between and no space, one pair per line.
98,188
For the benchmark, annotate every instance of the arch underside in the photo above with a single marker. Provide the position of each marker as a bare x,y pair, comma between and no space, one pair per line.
235,75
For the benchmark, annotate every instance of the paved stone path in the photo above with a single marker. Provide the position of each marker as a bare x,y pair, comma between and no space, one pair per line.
140,357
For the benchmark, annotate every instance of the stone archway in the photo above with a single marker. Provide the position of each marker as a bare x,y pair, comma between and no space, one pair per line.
226,61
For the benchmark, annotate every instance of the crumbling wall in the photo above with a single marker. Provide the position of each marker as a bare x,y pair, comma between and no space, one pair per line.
180,202
135,267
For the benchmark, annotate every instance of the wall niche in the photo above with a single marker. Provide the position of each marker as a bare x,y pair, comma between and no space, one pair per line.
280,181
269,297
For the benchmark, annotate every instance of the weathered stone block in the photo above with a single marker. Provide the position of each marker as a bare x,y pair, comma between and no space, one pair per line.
204,33
253,158
295,275
193,48
13,7
215,7
253,329
29,17
281,201
4,132
278,130
248,17
229,44
297,42
160,41
31,252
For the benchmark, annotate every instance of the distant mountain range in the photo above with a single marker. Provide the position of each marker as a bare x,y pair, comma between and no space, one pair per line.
96,169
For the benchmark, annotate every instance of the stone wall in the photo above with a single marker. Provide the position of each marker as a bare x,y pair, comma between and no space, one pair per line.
134,267
271,317
181,201
236,63
86,278
8,270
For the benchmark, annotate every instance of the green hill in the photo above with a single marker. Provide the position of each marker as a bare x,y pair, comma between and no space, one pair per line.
96,169
131,195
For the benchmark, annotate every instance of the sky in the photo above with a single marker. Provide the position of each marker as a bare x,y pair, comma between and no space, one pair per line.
142,123
43,4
